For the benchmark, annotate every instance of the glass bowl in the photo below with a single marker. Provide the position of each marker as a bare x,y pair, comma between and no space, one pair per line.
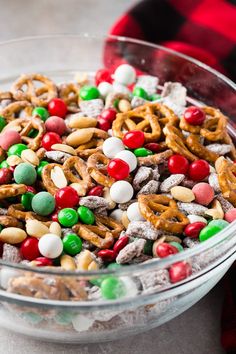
42,311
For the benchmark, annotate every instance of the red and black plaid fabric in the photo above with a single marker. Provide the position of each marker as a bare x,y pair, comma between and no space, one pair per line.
205,30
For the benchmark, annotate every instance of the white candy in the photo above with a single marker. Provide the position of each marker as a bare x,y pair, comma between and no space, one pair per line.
6,274
196,218
121,192
82,323
50,246
117,214
119,88
125,74
133,212
112,146
129,158
105,88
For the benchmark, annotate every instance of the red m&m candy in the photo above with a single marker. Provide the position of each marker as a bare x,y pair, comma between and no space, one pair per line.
198,170
109,114
179,271
57,107
5,175
178,164
96,191
103,124
193,230
50,139
107,255
29,248
66,197
194,115
134,139
118,169
164,250
55,124
102,75
43,262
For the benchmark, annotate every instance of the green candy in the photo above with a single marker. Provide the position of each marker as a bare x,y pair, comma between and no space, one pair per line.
2,123
142,152
114,266
154,97
41,112
86,215
112,288
64,317
89,93
1,227
33,133
32,317
16,149
140,92
97,281
4,164
68,217
40,167
177,245
72,244
219,222
208,232
43,203
25,173
148,247
26,200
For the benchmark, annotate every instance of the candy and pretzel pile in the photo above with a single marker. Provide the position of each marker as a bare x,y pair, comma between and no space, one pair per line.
104,175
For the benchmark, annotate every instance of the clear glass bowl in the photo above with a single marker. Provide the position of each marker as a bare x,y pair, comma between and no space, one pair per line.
93,320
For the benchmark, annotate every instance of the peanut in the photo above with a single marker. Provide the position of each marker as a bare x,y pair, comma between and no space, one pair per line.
84,260
12,235
67,262
30,157
14,160
55,228
80,136
36,228
58,177
82,122
64,148
182,194
124,106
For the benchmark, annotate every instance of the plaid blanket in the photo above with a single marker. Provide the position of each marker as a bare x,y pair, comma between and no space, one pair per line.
205,30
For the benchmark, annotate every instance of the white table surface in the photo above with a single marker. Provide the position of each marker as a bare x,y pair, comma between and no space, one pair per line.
197,331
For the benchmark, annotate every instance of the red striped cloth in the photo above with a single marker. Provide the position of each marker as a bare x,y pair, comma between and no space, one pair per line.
205,30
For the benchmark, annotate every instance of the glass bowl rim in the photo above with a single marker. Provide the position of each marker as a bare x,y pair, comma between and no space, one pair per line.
164,262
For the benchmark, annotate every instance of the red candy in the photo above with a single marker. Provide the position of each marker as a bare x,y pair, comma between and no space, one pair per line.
193,230
118,169
194,115
9,138
204,193
96,191
178,164
121,243
57,107
66,197
50,139
179,271
109,114
230,215
134,139
198,170
154,147
54,216
43,262
102,75
107,255
31,189
29,248
55,124
103,124
5,175
165,249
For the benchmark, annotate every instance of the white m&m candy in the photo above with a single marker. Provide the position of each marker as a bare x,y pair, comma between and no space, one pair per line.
121,192
112,146
125,74
117,214
129,158
105,88
50,246
133,212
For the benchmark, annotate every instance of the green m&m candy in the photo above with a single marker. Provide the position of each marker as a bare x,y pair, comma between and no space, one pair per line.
43,203
41,112
72,244
89,93
148,247
2,123
219,222
112,288
140,92
209,231
177,245
114,266
4,164
25,173
68,217
86,215
16,149
40,167
142,152
33,133
26,200
154,97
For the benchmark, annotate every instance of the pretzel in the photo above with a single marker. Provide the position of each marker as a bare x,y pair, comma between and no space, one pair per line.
47,180
11,111
176,142
97,172
83,178
24,126
155,159
227,180
100,237
85,150
12,190
227,140
167,211
184,125
38,96
18,212
199,150
214,127
10,221
140,118
69,93
110,224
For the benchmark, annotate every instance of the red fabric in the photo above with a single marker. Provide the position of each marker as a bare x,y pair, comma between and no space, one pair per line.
205,30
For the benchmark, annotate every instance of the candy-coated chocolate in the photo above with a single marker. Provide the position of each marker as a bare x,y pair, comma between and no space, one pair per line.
89,93
121,191
26,200
118,169
40,167
103,124
9,138
40,112
25,173
154,147
117,214
163,250
194,115
198,170
66,197
124,74
104,89
2,123
109,114
16,149
178,164
43,203
193,230
219,222
112,146
179,271
134,139
133,212
120,244
204,193
96,191
112,288
57,107
31,189
50,246
56,124
72,244
140,92
86,215
209,231
5,175
102,75
43,262
50,139
29,248
230,215
67,217
107,255
148,247
142,152
4,164
129,158
177,245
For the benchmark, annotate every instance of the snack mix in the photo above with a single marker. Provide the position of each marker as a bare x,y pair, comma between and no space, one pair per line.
108,174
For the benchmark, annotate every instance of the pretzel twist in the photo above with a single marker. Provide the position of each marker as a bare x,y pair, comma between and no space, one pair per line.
96,172
12,190
226,176
194,145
